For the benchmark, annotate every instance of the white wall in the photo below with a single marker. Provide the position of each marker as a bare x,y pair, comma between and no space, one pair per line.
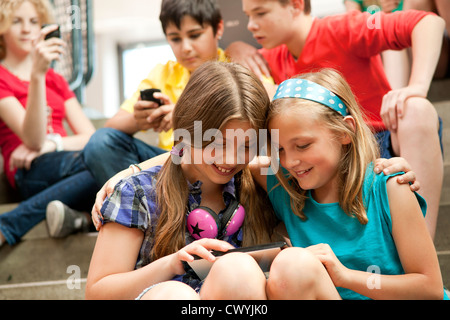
118,22
127,21
320,8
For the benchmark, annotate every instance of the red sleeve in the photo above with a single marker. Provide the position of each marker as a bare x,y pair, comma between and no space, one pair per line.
59,83
368,35
5,87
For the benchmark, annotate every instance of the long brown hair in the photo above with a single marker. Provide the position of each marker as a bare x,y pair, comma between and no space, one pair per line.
215,94
356,156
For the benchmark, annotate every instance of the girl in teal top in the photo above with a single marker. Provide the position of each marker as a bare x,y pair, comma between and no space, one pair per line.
367,230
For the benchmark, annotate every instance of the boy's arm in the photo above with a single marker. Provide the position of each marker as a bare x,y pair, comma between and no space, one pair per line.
426,41
123,121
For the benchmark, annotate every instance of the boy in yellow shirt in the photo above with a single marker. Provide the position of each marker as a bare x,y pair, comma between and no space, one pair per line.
192,29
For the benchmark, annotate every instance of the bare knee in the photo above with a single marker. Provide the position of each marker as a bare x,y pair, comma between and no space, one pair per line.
170,290
292,265
235,276
297,274
419,114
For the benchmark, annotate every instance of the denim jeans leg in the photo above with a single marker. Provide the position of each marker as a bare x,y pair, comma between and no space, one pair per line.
110,151
77,191
46,170
53,176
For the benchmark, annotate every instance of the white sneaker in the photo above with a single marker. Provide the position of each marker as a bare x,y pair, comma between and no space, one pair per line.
62,220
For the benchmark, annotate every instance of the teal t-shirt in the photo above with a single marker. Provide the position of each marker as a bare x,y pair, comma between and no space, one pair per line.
367,247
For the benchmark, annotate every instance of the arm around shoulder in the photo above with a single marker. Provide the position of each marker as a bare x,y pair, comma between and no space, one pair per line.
426,41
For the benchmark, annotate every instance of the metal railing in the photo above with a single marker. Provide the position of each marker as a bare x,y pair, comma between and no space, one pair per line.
75,18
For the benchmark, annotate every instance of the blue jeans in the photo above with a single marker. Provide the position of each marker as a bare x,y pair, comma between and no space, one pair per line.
53,176
110,151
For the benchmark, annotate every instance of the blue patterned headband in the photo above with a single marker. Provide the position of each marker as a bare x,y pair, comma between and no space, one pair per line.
308,90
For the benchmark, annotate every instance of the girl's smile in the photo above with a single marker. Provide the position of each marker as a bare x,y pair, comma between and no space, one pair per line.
224,171
302,173
309,151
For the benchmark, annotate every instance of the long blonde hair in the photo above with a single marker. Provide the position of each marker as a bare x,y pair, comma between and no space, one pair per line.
7,9
356,156
215,94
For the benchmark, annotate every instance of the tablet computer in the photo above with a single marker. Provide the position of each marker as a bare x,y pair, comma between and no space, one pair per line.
263,254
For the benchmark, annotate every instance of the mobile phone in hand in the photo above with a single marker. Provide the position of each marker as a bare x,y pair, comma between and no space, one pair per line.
54,34
147,95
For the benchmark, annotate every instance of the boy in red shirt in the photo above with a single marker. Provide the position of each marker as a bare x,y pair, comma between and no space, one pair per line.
405,121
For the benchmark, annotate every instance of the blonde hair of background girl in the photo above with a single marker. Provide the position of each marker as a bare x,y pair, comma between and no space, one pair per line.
356,156
7,8
216,93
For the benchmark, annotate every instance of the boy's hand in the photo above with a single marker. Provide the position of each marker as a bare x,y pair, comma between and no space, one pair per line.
393,105
142,110
149,115
248,56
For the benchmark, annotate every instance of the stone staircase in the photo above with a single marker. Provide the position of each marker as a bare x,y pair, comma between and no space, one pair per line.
440,96
43,268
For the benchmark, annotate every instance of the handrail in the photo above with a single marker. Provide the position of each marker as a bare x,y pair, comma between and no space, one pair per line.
89,42
77,50
82,54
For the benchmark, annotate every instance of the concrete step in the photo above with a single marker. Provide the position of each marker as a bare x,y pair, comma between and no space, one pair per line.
442,243
42,268
442,239
439,90
443,109
445,193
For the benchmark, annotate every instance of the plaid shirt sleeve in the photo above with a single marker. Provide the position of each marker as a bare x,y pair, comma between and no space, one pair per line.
131,204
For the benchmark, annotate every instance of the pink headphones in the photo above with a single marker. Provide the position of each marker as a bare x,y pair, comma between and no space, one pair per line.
202,222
